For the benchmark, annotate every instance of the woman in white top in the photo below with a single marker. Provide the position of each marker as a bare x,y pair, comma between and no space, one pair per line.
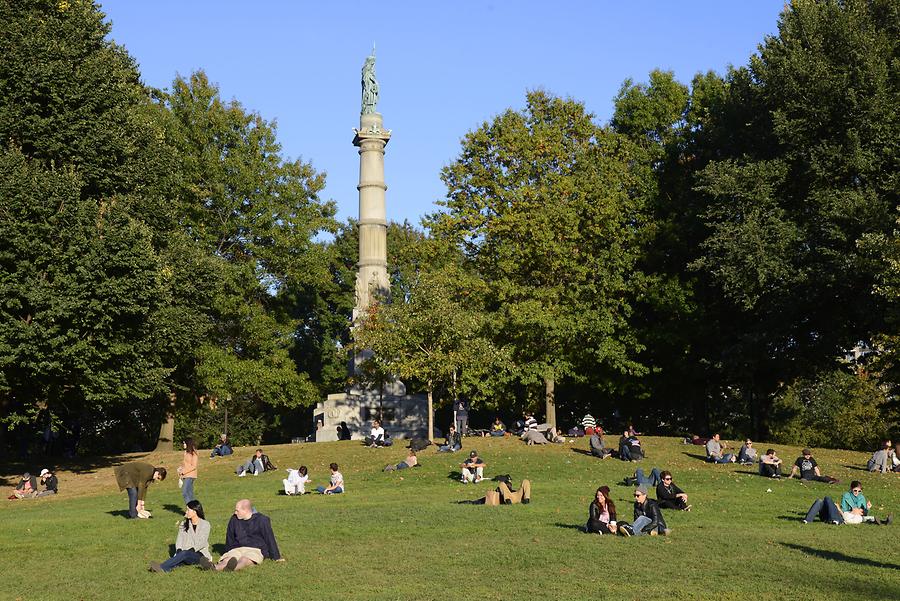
192,542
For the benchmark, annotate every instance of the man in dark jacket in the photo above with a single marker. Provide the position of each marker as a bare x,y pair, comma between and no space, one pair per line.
135,477
454,442
648,517
50,482
248,540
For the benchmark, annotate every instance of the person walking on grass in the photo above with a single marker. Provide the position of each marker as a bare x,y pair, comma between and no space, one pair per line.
855,508
187,471
601,513
337,482
135,477
248,540
191,542
808,469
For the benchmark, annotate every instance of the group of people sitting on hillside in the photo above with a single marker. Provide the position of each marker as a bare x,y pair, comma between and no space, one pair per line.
29,487
295,483
647,515
249,540
629,447
885,459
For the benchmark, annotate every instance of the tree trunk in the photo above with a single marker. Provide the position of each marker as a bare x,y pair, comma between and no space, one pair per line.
166,441
430,415
550,398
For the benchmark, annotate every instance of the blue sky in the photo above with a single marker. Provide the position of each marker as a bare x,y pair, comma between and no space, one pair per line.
443,67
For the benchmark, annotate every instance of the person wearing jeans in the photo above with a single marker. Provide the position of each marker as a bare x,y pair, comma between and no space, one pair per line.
135,477
714,448
188,469
825,509
337,482
648,517
192,542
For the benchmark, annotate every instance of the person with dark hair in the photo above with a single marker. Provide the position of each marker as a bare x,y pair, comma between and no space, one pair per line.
191,543
134,477
882,459
26,488
648,518
669,496
855,508
461,416
498,428
639,479
598,445
601,513
50,482
256,465
454,442
337,482
222,448
376,435
504,494
770,465
295,483
630,447
248,540
343,431
187,471
715,451
808,469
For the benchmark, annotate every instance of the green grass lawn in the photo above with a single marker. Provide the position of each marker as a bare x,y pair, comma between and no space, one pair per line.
402,535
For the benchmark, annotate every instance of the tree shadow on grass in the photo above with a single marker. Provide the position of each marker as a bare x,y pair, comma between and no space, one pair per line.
578,527
76,465
838,556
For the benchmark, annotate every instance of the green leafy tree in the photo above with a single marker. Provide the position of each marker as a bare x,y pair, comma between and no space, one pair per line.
547,208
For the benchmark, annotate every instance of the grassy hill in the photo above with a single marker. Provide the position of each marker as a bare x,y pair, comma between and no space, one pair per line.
403,536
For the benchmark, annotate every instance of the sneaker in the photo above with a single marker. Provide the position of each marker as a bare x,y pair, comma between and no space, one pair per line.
666,532
804,522
242,474
876,521
479,480
255,473
654,533
155,567
232,563
688,508
625,531
526,501
888,520
205,564
835,522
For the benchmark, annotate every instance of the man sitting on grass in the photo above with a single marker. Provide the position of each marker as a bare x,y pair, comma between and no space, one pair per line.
256,465
808,469
648,518
714,451
248,540
473,468
669,496
598,445
376,435
770,465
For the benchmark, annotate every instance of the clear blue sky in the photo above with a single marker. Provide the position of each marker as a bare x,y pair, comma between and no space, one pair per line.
443,67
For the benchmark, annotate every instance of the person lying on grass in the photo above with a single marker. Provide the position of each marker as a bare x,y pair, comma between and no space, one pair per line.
295,483
248,540
715,451
669,495
410,461
472,468
337,482
134,477
504,494
648,518
770,465
855,508
639,479
808,469
601,513
191,542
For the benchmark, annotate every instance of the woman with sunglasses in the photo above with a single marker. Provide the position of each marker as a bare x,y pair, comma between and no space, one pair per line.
855,508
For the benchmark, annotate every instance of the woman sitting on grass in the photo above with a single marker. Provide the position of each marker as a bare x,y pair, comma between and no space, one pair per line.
411,461
601,513
295,483
192,542
337,482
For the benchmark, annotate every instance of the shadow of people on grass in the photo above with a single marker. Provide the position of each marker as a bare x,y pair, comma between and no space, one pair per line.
582,452
454,475
696,456
174,508
218,548
119,513
838,556
797,517
855,467
578,527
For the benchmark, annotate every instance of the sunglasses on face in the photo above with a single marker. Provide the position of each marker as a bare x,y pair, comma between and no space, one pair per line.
667,479
857,490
